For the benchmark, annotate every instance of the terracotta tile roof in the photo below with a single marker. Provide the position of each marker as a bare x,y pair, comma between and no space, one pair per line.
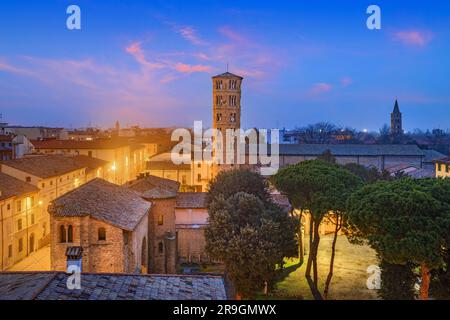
151,182
10,186
227,75
7,138
158,193
53,286
74,144
351,150
191,200
44,166
89,162
443,160
103,201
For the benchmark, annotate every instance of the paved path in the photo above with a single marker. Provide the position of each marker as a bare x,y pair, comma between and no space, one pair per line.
37,261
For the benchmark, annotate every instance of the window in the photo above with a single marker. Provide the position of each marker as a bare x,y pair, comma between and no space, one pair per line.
183,180
43,185
160,220
28,179
19,224
70,234
199,177
160,247
8,207
90,154
62,234
19,206
51,182
32,218
20,244
101,234
10,251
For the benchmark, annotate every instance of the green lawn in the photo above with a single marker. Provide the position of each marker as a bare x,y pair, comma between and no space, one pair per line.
350,275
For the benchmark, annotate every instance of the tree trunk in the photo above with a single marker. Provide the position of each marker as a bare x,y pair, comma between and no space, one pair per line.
316,251
425,285
333,254
312,262
310,250
300,240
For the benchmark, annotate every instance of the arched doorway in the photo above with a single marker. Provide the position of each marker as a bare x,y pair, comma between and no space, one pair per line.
144,257
32,242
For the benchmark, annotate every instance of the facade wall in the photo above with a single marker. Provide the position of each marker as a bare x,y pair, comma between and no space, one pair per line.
162,250
442,170
191,245
124,164
20,234
120,251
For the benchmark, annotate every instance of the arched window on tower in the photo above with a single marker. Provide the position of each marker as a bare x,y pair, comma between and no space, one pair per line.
70,234
101,234
62,234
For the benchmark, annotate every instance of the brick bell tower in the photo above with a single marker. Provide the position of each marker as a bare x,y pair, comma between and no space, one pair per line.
226,108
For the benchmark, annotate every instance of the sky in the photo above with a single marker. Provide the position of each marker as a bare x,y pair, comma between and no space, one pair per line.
150,63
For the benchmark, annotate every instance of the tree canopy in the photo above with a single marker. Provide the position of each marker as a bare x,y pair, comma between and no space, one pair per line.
405,221
249,234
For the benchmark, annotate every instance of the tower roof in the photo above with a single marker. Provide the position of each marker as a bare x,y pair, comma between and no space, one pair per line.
227,75
396,108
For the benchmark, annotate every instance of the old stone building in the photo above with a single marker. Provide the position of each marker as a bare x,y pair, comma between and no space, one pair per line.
110,224
378,156
443,167
191,220
19,220
226,114
126,160
162,194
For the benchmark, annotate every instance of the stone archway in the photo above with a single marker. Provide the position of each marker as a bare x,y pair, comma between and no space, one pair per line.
144,256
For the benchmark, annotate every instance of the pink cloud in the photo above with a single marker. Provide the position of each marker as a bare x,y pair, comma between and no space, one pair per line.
321,87
187,68
190,34
232,34
346,81
413,37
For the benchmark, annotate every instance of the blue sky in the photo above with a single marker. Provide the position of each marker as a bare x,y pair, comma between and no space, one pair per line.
150,62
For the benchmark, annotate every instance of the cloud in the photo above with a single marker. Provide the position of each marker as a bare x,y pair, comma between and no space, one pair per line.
165,63
190,34
186,68
321,87
346,81
413,37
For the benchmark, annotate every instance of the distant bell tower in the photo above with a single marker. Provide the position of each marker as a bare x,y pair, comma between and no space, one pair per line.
396,120
226,102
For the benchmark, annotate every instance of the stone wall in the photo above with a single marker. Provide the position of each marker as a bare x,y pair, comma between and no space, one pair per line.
162,261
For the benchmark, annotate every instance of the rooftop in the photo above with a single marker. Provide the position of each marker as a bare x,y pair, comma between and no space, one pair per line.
227,75
351,149
191,200
443,160
103,201
44,166
151,182
10,187
53,286
74,144
89,162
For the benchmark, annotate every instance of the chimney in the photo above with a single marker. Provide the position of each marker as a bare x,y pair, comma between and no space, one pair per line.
74,257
